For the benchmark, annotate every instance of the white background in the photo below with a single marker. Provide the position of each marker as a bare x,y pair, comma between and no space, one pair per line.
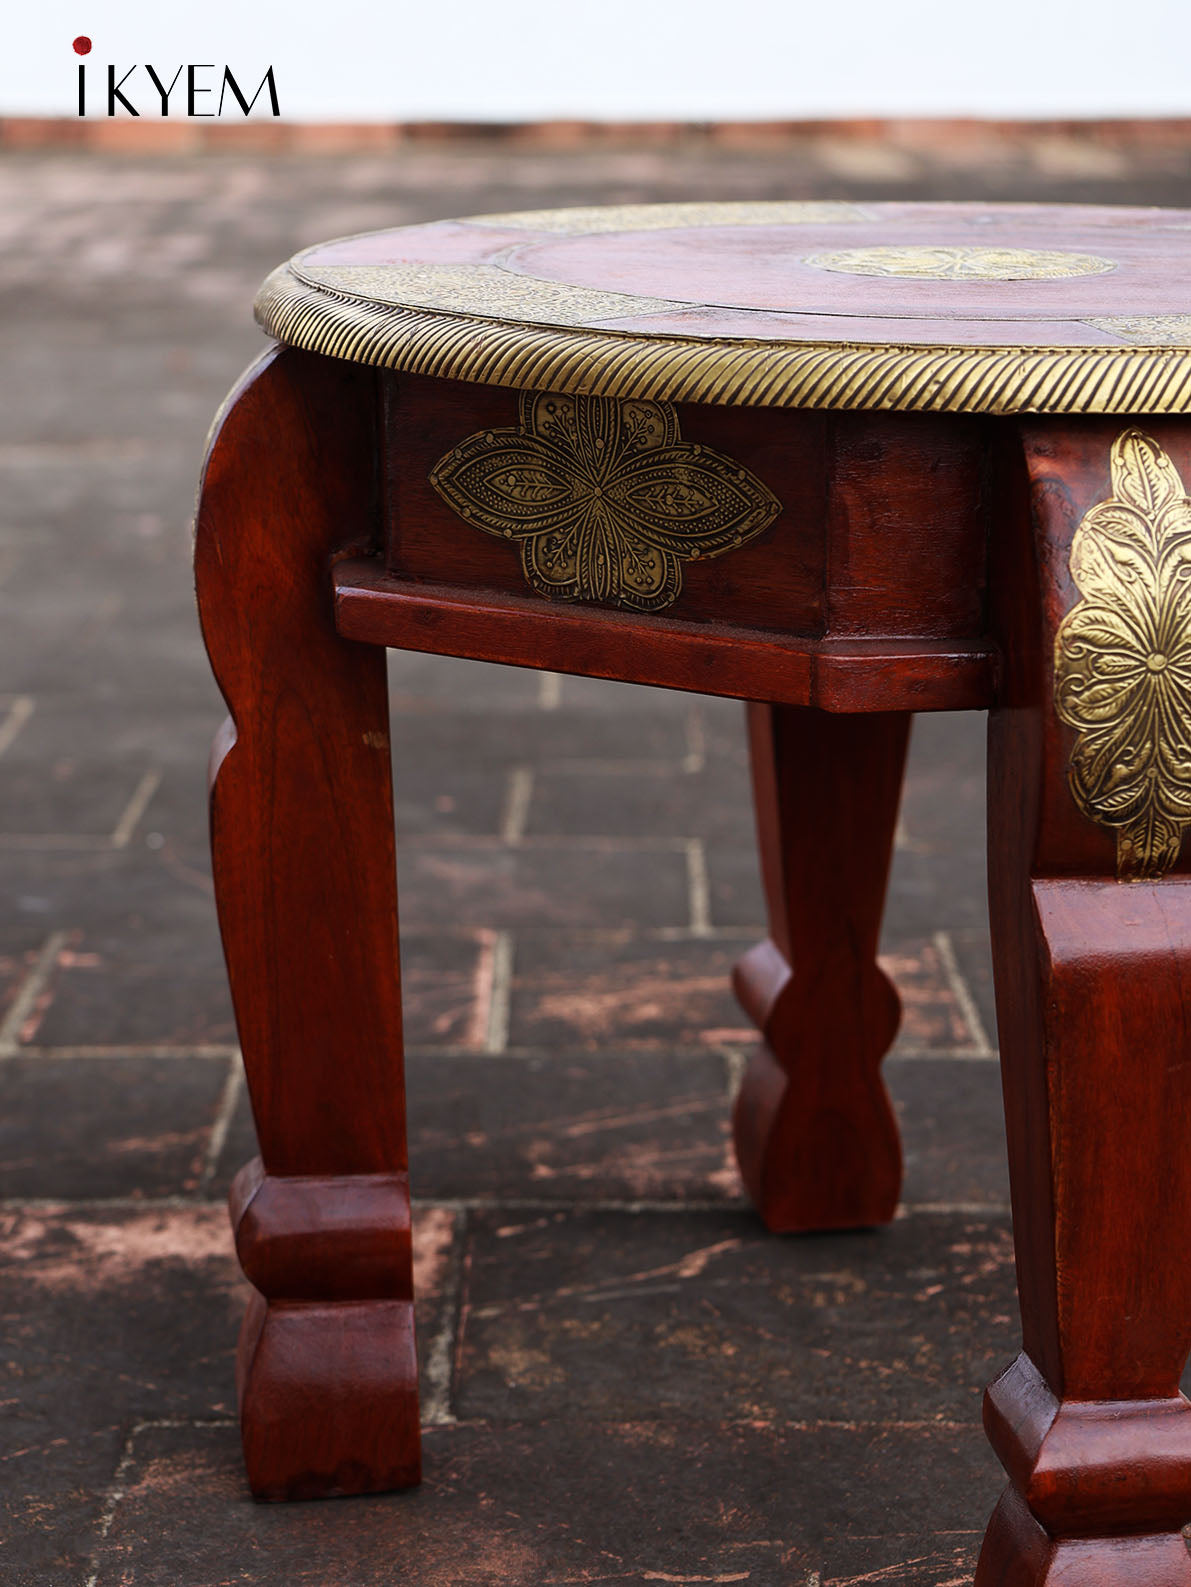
394,60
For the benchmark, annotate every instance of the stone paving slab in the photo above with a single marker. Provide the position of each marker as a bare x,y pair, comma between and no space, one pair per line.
115,1317
953,1137
588,886
603,990
88,1128
577,874
541,1505
572,1127
549,734
620,1315
109,1317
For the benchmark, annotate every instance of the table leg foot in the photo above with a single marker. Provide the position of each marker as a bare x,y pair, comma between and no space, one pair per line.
326,1371
328,1397
1019,1552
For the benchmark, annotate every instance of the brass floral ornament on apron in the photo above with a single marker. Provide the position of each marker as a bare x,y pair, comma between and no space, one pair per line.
603,497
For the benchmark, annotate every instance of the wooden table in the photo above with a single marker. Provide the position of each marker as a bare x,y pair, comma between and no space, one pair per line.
845,462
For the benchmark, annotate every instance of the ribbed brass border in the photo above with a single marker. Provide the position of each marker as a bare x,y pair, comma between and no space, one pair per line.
741,373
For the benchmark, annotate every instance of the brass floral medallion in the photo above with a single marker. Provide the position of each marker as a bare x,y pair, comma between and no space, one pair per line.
918,263
1123,660
604,498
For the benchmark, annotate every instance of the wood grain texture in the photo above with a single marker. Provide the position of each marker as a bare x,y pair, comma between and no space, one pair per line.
816,1138
907,507
845,675
775,581
881,531
1093,990
302,842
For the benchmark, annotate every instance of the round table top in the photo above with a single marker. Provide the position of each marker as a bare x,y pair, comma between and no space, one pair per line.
985,308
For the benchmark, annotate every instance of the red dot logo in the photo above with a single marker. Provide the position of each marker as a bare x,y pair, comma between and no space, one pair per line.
82,45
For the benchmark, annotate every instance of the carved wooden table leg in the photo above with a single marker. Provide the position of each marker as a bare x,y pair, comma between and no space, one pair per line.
816,1137
302,835
1090,791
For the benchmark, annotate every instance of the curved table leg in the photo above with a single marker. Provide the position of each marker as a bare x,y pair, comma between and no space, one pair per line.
302,840
816,1138
1091,913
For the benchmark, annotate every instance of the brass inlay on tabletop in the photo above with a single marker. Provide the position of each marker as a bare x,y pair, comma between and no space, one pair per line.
1147,330
483,290
604,498
1123,660
962,264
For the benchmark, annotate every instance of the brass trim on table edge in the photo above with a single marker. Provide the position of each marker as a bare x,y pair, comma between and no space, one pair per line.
737,373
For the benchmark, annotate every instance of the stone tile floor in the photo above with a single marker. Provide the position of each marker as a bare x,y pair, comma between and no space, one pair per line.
626,1379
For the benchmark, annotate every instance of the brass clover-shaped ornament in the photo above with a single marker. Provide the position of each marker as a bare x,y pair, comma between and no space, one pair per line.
603,497
962,264
1123,660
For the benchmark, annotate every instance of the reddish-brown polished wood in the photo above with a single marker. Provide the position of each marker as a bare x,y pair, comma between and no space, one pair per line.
1094,975
816,1138
909,560
881,531
845,674
1093,991
302,840
774,582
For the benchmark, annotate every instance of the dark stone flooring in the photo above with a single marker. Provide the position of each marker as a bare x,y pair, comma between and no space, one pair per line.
626,1379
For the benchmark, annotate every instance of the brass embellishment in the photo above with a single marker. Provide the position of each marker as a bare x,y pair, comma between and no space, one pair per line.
962,264
604,499
824,373
584,220
483,290
1123,660
1148,330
